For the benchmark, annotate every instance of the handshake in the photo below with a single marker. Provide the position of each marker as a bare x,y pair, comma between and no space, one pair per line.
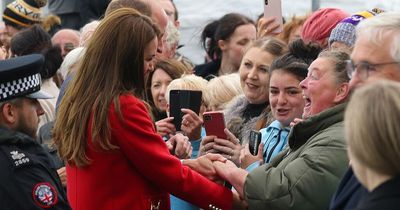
218,169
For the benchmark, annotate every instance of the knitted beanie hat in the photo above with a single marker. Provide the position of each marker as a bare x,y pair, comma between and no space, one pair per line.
345,30
23,13
319,25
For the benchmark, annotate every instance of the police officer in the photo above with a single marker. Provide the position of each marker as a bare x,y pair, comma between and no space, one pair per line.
28,179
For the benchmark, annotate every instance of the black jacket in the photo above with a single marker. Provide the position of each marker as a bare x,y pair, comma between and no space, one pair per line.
208,70
385,197
28,179
349,193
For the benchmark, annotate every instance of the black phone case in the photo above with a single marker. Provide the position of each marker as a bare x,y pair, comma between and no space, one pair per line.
255,140
188,99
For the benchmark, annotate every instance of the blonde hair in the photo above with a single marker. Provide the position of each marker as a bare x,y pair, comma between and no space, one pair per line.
223,89
189,82
371,126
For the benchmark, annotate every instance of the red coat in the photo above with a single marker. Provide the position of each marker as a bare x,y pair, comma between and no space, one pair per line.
141,174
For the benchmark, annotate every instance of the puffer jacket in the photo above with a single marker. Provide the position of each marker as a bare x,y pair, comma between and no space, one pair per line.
305,175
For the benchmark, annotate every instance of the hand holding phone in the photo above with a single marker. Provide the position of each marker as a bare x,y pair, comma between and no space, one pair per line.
178,99
214,123
273,8
255,140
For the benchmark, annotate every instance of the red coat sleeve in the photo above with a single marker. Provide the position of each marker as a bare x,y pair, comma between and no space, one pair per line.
148,153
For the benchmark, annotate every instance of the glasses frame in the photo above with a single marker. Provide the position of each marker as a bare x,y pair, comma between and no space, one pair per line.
363,68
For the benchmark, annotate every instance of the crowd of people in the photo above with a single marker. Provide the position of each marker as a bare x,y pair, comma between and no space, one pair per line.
86,119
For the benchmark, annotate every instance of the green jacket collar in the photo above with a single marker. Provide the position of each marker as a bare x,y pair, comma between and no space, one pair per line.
304,130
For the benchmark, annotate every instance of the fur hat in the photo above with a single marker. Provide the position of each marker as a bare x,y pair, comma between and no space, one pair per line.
345,30
23,13
319,25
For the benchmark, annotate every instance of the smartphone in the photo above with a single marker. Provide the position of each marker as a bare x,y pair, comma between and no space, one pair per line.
273,8
214,123
179,99
254,142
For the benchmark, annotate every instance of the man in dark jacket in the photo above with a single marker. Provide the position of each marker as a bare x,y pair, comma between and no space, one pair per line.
28,179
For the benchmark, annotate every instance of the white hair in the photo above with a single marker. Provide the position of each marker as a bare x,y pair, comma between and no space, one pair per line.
172,35
376,30
70,60
87,32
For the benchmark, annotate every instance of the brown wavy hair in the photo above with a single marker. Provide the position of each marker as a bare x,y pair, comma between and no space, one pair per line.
112,65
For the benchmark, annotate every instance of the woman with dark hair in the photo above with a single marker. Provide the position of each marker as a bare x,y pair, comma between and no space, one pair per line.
225,41
115,159
286,101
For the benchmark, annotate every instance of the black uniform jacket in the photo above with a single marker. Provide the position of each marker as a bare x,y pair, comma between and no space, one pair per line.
28,179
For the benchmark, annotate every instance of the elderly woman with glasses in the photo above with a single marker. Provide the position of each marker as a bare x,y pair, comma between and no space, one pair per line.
306,173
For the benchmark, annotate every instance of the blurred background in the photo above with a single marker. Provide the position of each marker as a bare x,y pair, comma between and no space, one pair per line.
194,15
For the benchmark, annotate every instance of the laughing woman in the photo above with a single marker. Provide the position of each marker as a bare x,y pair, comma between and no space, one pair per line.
306,173
286,100
251,110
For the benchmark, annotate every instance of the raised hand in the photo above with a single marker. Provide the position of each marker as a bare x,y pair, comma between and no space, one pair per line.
180,146
246,158
266,27
296,121
207,145
165,127
191,124
229,148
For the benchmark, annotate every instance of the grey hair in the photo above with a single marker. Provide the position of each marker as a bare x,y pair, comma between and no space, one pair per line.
375,30
172,35
87,32
339,58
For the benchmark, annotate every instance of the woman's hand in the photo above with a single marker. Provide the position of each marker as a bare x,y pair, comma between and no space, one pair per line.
266,27
207,145
296,121
191,124
204,165
165,127
246,158
180,146
229,148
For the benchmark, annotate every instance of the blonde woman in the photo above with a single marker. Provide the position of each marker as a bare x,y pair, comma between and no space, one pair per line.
372,134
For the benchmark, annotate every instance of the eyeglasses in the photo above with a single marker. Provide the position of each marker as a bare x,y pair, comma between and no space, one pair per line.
363,68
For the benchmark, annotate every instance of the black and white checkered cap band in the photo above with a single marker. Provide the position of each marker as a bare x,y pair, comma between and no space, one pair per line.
20,87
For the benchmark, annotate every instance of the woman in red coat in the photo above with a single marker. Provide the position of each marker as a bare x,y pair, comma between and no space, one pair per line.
115,158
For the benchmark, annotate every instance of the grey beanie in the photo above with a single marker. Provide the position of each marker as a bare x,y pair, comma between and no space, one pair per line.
345,30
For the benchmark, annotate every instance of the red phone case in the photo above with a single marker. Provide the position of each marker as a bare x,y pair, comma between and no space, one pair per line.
214,123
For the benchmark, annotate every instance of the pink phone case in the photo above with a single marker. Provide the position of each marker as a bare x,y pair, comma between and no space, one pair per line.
273,8
214,124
